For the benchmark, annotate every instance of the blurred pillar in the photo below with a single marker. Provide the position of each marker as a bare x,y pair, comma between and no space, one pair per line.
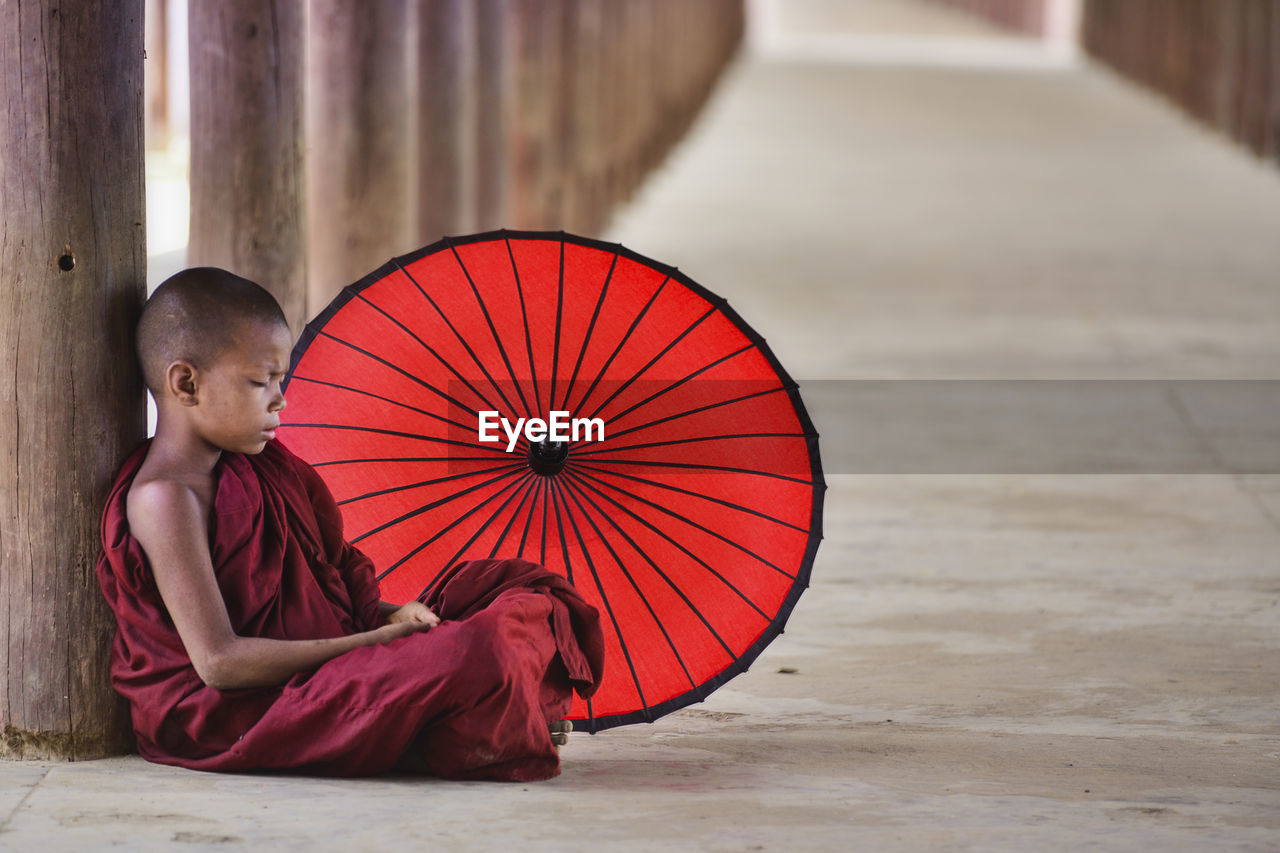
445,114
1218,59
547,113
534,113
360,170
247,192
156,74
493,106
1026,16
73,262
585,150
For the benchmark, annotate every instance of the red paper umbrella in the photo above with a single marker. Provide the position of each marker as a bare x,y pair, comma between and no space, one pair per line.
675,479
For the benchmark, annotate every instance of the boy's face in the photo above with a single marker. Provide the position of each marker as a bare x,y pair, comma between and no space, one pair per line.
239,398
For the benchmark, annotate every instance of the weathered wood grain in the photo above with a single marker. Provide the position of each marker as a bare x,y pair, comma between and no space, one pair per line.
72,265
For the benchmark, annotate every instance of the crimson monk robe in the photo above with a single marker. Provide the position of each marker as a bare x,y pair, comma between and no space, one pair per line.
469,699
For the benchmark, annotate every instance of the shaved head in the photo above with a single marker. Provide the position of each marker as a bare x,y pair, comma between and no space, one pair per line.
194,316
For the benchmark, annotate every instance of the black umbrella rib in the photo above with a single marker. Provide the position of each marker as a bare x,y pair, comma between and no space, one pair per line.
679,547
571,490
730,504
674,385
484,309
393,402
727,436
725,468
681,517
524,314
640,315
480,529
403,459
398,369
617,629
670,345
527,492
462,341
591,714
586,339
510,466
425,346
414,435
546,510
413,513
555,356
687,412
442,531
528,521
553,504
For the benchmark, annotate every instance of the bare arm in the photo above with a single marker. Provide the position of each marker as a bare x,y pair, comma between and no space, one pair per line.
167,520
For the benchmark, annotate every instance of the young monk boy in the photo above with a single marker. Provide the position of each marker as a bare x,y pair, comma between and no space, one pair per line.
250,634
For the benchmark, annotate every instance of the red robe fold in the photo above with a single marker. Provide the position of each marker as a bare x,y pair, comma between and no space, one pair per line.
470,698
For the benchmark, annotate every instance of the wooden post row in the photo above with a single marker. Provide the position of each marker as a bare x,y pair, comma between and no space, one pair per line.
546,114
1218,59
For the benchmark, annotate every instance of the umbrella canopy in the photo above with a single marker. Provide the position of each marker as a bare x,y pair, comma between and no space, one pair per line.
573,403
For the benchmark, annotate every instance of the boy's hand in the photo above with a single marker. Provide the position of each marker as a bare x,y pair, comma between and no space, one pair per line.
414,611
403,621
389,632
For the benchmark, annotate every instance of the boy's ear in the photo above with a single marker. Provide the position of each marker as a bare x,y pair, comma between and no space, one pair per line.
181,382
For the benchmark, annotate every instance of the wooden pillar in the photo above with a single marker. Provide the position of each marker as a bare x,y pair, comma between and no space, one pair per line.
585,146
568,145
551,162
1273,88
73,263
247,174
1227,76
445,76
1254,75
632,97
360,169
156,74
534,116
492,93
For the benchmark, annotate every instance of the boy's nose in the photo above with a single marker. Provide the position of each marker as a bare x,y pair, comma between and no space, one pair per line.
279,403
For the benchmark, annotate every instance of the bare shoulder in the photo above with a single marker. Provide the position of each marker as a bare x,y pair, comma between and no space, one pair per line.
166,507
168,517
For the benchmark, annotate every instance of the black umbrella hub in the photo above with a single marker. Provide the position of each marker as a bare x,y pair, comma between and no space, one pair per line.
548,457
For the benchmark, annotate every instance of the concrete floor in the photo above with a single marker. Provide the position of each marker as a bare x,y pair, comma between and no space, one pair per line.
985,660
